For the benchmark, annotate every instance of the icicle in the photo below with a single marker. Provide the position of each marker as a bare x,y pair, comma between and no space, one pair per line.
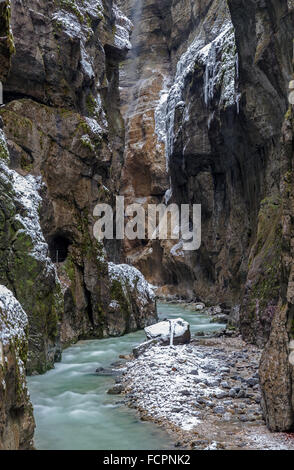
210,74
238,99
171,329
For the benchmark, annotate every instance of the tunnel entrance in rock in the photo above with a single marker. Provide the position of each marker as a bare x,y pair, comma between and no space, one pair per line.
58,248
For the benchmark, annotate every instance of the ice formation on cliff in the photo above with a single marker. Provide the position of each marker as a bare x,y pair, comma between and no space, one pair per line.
220,61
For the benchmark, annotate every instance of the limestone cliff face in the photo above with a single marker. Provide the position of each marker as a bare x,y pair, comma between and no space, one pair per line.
265,83
151,77
62,152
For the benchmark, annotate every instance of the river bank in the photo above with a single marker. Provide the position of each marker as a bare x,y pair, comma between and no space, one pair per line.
205,394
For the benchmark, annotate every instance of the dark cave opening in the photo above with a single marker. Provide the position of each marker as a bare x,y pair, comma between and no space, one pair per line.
58,248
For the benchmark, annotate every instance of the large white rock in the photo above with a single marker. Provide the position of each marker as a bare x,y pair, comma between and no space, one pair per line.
162,331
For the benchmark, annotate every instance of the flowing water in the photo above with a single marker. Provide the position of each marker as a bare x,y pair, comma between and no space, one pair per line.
71,406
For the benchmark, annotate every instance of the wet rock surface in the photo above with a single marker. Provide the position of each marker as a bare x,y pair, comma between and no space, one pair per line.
206,392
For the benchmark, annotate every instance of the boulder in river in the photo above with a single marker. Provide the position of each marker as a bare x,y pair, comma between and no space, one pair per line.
116,389
162,331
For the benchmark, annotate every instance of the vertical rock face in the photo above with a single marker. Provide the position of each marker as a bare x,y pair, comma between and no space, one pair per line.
144,76
166,41
265,82
61,154
16,412
25,264
277,364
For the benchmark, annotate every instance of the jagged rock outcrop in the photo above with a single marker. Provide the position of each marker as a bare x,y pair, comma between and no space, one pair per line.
16,412
132,300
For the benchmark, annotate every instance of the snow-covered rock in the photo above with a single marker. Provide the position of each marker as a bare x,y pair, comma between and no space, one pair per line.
13,319
123,27
25,190
26,268
162,331
220,61
132,279
132,301
199,307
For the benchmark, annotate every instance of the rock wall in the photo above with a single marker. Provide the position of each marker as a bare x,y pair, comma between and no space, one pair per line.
61,154
149,80
277,362
216,124
211,96
16,412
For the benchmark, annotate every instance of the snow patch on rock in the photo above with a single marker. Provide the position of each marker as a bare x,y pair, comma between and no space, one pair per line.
132,279
25,190
163,330
178,249
4,153
13,319
123,28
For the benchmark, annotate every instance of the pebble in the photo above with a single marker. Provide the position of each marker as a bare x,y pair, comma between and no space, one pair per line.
219,409
224,385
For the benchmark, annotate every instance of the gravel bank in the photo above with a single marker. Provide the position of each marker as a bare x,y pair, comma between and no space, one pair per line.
205,393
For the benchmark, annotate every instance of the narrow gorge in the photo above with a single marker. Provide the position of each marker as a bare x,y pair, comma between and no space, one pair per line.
159,102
